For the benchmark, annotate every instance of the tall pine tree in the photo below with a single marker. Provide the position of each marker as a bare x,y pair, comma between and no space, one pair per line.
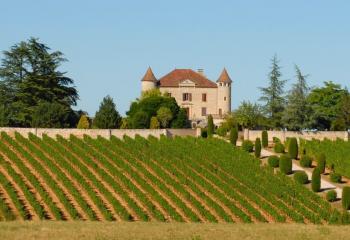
297,111
107,117
272,95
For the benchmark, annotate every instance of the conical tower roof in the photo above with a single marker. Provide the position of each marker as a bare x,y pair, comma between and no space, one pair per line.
224,77
149,76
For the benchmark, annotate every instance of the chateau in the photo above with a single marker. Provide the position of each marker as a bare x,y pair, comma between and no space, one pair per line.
194,92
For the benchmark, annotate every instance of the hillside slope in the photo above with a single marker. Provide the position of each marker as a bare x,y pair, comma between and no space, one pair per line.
180,179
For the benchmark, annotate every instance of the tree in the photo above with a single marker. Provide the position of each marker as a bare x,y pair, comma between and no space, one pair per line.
286,164
164,116
316,180
29,75
83,122
140,120
210,126
321,162
257,148
181,120
293,148
342,121
50,115
4,116
265,139
346,198
234,136
107,117
326,103
297,112
273,95
154,124
248,115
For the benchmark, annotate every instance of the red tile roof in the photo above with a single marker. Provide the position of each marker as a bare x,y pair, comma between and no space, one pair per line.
176,76
224,77
149,76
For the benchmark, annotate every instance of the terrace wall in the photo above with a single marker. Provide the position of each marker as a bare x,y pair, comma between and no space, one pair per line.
106,133
283,135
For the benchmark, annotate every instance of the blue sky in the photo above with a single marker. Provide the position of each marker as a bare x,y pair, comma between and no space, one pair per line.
110,44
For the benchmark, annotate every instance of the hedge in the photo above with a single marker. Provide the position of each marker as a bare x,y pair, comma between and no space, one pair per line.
257,148
346,198
285,164
321,162
273,161
264,139
316,180
279,148
248,146
306,161
293,148
234,136
301,177
331,196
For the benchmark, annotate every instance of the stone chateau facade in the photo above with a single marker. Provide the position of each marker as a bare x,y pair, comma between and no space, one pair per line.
194,92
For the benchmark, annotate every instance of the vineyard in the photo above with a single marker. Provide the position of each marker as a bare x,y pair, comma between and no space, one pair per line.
166,180
337,153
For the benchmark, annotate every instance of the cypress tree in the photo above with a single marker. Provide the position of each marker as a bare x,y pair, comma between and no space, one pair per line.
286,164
316,180
264,139
257,148
293,148
210,126
346,198
234,136
321,162
83,122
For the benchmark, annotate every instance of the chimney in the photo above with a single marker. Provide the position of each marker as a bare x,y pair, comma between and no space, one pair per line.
201,71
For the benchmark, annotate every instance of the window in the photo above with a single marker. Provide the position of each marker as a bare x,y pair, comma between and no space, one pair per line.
204,97
168,94
204,111
187,97
220,111
224,98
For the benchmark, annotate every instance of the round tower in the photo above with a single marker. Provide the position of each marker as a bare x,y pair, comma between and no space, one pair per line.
224,93
148,81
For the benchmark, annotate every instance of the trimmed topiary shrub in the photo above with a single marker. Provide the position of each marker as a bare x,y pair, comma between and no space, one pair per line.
234,136
335,177
276,140
257,148
346,198
279,148
264,139
285,164
273,161
293,148
331,196
210,126
321,162
306,161
316,180
301,177
248,146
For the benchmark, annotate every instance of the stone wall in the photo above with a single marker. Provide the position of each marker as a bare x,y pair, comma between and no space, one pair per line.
283,135
106,133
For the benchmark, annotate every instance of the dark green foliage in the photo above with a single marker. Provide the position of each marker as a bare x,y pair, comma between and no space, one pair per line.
276,140
107,116
301,177
30,77
293,148
316,180
346,198
306,161
257,148
248,146
285,164
249,115
181,120
331,196
279,148
4,116
210,126
335,177
264,139
204,132
273,161
222,132
140,120
233,136
321,162
51,115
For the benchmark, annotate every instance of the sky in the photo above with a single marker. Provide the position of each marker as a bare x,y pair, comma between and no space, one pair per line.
110,44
